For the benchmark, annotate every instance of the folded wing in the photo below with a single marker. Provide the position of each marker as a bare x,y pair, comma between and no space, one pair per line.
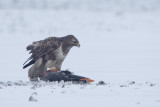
39,49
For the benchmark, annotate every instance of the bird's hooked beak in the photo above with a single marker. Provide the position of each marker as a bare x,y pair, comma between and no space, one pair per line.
78,45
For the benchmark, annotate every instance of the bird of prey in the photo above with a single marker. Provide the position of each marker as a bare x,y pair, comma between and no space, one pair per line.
47,53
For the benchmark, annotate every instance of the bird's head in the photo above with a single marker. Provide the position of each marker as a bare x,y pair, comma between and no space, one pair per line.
72,41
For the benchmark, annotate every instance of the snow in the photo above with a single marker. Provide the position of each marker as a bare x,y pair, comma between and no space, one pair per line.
119,44
67,94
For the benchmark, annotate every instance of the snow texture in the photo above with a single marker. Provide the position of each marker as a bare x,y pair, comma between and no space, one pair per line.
119,46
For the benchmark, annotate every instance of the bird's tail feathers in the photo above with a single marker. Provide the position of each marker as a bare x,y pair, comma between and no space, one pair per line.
27,60
30,63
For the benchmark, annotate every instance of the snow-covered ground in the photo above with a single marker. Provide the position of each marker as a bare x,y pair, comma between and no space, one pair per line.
119,44
126,94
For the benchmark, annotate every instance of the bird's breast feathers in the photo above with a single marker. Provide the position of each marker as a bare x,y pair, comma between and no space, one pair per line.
59,58
59,53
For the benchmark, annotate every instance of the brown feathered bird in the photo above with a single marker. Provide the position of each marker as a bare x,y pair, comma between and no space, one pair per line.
47,53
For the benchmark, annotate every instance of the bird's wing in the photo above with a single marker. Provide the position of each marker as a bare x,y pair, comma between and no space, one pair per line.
41,48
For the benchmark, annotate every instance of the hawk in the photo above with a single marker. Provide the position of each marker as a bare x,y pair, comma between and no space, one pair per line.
48,53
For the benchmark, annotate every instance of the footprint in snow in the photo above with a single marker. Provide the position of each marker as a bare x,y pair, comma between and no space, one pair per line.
32,98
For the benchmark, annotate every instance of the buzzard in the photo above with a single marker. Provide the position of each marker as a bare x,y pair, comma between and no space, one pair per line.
48,53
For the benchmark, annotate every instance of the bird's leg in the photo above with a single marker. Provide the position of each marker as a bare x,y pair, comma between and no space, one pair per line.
87,79
53,68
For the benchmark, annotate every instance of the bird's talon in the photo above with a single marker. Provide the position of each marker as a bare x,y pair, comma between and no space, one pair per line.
53,68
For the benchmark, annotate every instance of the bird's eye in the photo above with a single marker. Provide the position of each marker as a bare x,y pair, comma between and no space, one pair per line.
75,42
